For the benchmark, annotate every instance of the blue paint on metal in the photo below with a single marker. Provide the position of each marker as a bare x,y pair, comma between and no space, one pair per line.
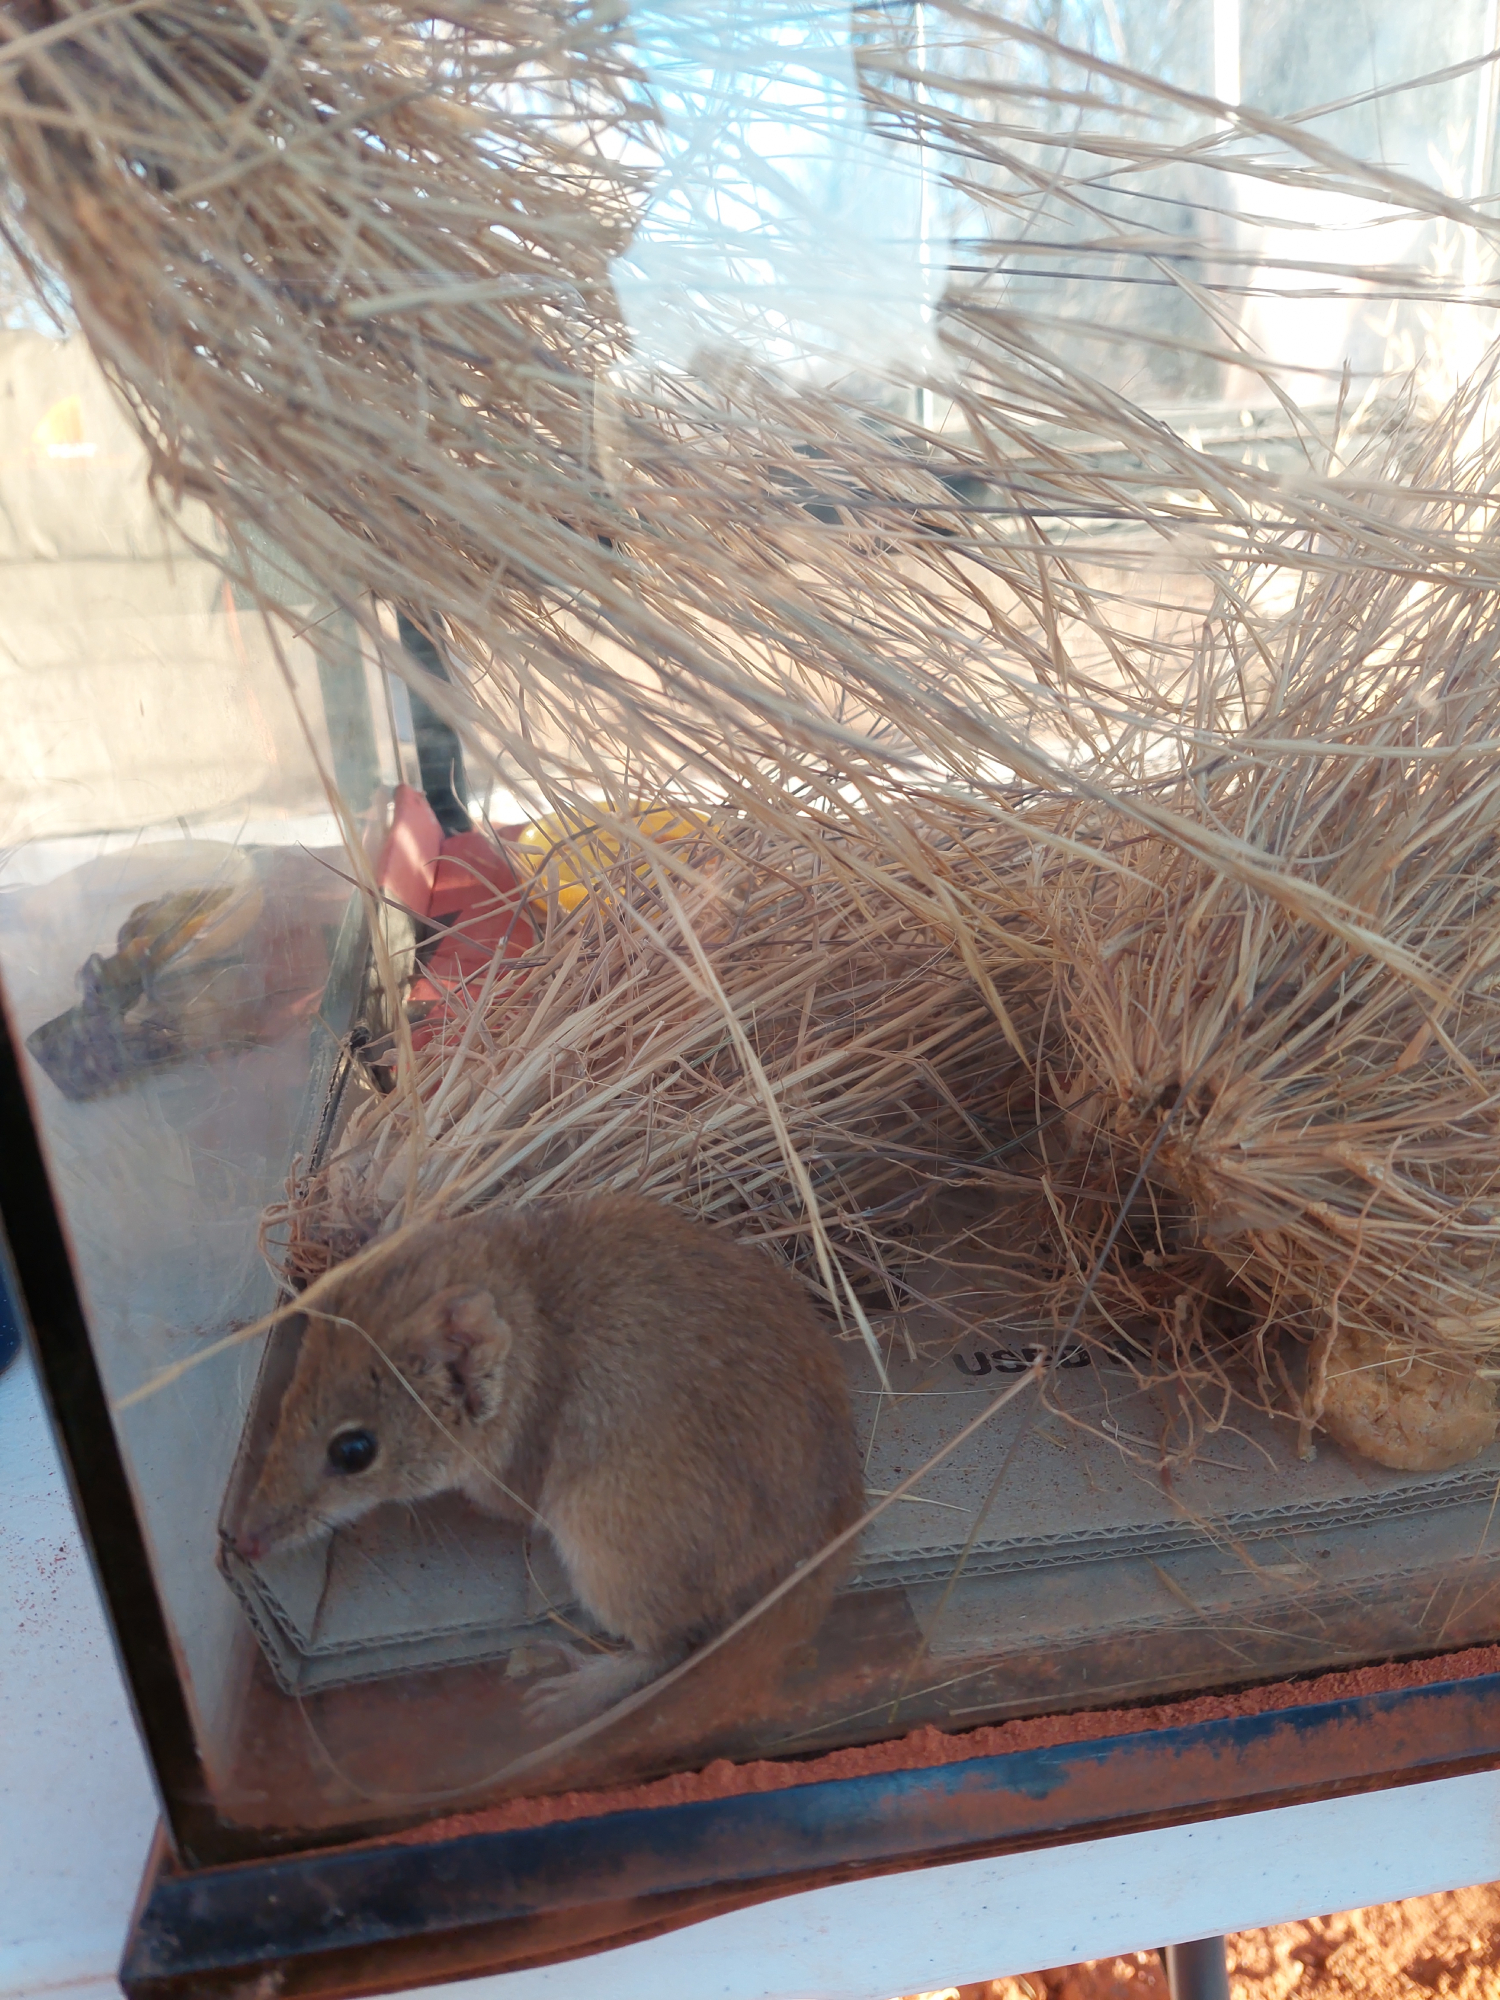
365,1895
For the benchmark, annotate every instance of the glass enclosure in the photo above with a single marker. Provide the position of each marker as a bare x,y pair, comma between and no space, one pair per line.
312,932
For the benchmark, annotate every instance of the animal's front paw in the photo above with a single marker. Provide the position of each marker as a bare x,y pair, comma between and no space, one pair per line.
555,1704
540,1656
562,1701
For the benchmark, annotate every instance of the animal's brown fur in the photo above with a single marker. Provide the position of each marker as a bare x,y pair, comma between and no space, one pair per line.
663,1400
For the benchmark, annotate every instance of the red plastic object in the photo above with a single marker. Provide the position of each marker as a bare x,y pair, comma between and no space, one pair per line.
479,908
466,889
410,854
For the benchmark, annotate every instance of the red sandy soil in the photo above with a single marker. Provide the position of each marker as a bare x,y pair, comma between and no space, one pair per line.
927,1746
1447,1945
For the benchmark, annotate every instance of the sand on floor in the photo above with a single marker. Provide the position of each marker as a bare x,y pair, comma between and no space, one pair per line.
1447,1944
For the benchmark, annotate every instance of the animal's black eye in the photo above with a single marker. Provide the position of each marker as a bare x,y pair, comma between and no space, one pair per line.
353,1451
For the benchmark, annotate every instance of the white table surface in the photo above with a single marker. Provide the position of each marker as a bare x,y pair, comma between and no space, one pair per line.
77,1811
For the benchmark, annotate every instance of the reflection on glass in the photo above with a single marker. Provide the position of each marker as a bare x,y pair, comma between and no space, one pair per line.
175,894
195,807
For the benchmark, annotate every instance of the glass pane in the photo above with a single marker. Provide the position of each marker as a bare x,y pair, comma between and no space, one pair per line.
683,724
180,940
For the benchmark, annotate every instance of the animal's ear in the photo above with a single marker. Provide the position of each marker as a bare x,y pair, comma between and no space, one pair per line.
474,1341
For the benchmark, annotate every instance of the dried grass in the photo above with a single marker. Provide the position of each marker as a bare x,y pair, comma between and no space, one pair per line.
351,268
1003,889
1049,1003
781,1028
1324,1113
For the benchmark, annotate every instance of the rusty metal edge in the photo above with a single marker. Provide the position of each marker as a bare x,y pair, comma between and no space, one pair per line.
383,1915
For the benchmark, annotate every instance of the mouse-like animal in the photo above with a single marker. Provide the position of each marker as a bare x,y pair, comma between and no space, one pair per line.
663,1400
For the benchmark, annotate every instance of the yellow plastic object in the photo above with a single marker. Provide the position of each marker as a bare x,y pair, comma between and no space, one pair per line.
60,434
564,855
